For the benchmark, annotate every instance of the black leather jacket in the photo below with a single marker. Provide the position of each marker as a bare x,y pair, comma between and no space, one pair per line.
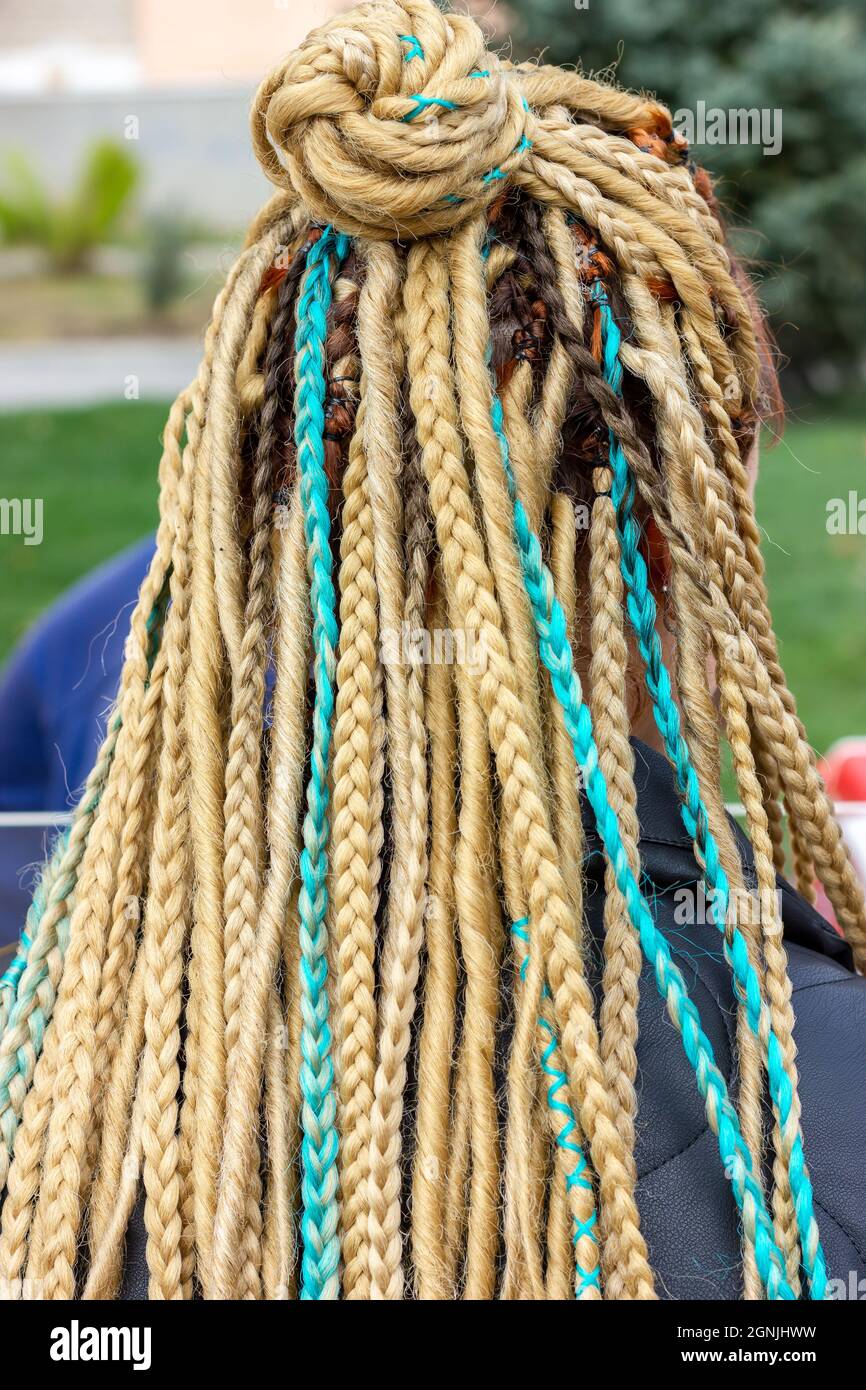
687,1211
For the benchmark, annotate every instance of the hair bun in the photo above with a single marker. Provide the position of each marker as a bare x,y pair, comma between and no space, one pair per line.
391,120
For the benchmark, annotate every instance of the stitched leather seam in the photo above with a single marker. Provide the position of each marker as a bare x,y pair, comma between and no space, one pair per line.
843,1228
691,1143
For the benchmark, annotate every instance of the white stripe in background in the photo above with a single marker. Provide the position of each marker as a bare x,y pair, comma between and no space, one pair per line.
14,819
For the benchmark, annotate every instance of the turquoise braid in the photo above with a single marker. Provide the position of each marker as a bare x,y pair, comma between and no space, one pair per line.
30,1007
556,655
319,1223
747,988
557,1100
26,1002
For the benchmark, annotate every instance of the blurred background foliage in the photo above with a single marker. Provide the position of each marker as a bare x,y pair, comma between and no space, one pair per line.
67,229
95,262
805,206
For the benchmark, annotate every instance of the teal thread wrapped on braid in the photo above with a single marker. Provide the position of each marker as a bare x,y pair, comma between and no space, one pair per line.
578,1173
13,972
423,103
414,50
27,1004
642,613
319,1223
556,655
427,103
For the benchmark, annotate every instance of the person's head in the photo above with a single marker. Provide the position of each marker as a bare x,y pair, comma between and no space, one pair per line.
468,452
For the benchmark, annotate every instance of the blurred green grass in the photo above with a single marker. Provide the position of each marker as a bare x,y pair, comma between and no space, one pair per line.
96,471
817,581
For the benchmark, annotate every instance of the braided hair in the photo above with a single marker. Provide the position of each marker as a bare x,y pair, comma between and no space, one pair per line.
309,964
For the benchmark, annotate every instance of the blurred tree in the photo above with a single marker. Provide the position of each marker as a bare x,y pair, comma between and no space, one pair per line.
806,205
67,229
166,239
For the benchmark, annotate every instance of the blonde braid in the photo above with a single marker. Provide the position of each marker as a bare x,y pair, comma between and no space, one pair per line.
252,916
681,438
135,848
550,413
471,335
119,1059
377,781
472,585
165,930
434,1278
291,949
702,738
557,1280
457,1181
471,331
22,1183
777,982
189,1091
524,1138
622,955
480,937
59,1202
526,1133
739,558
60,881
278,1244
205,742
407,756
762,631
729,458
564,776
243,622
782,732
58,885
779,729
578,1199
353,855
119,1161
702,733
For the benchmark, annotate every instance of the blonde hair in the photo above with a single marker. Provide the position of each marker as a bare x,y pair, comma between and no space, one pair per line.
310,964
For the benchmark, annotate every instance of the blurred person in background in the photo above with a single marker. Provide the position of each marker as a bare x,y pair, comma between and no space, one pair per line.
55,693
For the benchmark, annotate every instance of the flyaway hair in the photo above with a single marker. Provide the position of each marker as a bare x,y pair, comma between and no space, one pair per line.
308,968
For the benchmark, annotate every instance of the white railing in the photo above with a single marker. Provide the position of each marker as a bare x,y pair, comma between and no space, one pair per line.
842,808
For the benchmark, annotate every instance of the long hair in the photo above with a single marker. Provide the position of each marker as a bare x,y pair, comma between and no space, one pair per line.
308,968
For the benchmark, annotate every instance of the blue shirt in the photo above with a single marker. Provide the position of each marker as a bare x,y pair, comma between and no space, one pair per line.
55,693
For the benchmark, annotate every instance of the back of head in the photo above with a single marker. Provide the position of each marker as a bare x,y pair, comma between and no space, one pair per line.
469,440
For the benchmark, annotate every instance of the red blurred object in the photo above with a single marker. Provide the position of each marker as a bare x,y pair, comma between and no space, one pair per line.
844,771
